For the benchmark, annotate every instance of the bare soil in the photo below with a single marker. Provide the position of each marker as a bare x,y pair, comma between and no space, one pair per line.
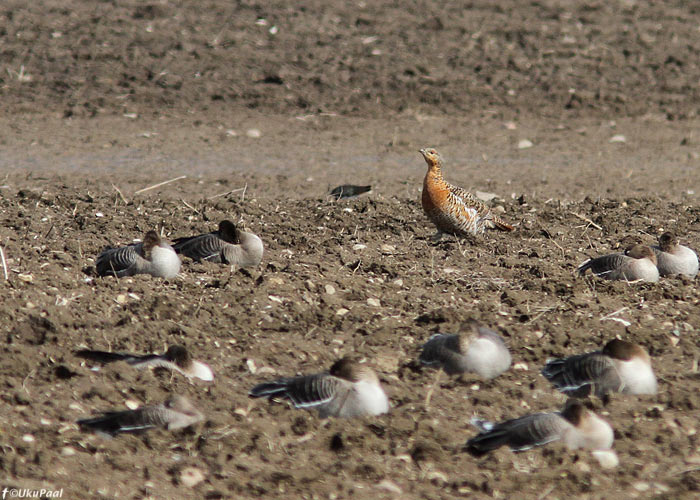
102,99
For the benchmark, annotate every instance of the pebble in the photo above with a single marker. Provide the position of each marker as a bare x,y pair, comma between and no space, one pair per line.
390,486
483,196
359,246
618,138
525,144
582,467
373,302
641,486
387,249
342,311
67,451
191,476
330,289
253,133
251,366
28,438
131,404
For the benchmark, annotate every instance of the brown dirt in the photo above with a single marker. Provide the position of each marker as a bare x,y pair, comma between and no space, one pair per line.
122,95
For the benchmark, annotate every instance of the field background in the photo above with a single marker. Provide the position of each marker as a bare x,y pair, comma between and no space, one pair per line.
264,106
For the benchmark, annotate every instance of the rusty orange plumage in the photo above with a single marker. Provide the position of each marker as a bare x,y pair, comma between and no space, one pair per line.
452,209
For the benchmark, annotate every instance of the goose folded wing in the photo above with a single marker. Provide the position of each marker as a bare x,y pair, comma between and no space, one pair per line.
304,392
203,247
117,260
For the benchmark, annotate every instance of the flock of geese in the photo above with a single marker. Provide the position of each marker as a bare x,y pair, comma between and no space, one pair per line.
351,388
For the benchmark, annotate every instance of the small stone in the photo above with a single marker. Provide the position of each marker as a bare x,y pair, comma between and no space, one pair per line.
520,366
251,366
387,249
525,144
510,125
121,299
27,278
618,138
359,246
398,282
583,466
342,311
131,404
485,196
641,486
253,133
28,438
191,476
373,302
390,486
330,289
437,477
67,451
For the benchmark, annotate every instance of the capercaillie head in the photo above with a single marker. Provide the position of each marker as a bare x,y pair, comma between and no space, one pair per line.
432,158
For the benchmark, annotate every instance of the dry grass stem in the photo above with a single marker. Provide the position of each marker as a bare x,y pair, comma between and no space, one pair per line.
4,264
228,192
586,219
160,184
